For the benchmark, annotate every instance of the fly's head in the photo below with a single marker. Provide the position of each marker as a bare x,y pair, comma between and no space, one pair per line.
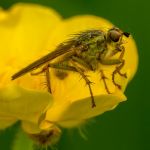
114,37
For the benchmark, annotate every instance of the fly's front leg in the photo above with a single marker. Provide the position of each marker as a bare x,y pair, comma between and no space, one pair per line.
41,71
119,62
109,62
118,68
123,62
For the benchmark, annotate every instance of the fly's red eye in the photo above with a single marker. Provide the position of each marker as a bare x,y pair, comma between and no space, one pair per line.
114,35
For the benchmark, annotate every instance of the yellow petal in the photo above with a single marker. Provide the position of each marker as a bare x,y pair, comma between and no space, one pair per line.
131,57
72,101
20,104
25,30
76,112
6,121
30,127
74,25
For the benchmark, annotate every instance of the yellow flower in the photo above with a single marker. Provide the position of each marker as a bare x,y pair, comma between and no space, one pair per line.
30,31
25,30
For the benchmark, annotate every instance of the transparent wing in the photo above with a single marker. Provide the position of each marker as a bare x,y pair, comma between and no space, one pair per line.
60,50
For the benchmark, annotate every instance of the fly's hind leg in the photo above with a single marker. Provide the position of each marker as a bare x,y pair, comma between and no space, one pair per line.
73,68
88,82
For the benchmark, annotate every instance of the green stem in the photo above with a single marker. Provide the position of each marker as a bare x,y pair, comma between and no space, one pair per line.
22,142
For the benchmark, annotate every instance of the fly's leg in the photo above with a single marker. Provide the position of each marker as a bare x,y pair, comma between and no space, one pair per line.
56,66
110,62
48,81
73,68
123,62
88,82
40,71
45,70
118,69
120,61
103,77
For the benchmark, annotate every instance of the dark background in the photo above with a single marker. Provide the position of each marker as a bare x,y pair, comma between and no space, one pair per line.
128,126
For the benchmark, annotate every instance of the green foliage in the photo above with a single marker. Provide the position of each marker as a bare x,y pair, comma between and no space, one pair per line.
22,142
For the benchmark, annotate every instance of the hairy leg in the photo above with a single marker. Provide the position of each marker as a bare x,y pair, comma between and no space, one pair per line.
74,68
103,77
47,73
119,61
118,69
45,70
88,82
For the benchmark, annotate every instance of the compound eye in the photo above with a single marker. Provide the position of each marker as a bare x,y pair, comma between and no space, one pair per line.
114,35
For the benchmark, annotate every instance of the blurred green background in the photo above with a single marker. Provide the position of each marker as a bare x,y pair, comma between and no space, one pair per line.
128,126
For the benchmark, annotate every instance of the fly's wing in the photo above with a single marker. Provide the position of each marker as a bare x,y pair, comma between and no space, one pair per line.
60,50
68,46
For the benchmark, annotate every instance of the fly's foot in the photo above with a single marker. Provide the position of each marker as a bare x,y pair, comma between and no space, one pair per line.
113,78
122,74
117,70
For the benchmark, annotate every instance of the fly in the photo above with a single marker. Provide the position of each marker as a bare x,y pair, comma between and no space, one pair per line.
82,53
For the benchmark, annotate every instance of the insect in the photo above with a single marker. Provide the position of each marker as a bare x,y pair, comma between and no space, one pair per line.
81,53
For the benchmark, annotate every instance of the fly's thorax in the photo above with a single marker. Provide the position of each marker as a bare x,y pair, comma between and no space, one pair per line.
97,43
90,58
90,39
96,46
